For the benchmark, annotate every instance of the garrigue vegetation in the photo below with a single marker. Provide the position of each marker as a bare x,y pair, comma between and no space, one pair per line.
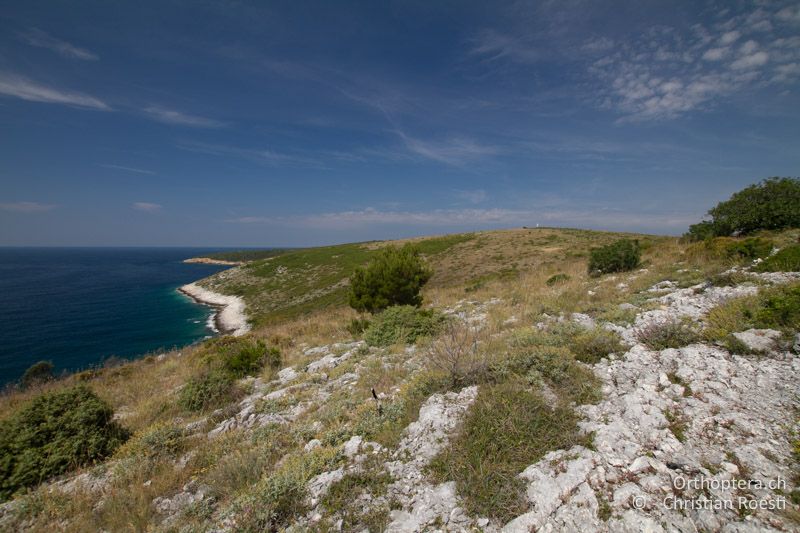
530,379
620,256
54,433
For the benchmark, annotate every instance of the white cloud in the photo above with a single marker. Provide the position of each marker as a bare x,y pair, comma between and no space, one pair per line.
26,207
473,218
171,116
492,45
600,44
25,89
264,156
750,61
146,206
128,169
790,14
729,37
40,39
472,196
456,151
716,54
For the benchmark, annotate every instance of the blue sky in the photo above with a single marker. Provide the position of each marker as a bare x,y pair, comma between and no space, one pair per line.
300,123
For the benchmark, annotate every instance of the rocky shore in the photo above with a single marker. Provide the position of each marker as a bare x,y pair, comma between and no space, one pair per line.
210,261
230,316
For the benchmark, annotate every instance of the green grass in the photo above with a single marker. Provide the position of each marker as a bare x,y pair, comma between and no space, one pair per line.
786,260
774,308
248,255
508,428
293,282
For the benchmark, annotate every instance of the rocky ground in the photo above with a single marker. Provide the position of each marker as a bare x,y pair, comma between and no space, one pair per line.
677,433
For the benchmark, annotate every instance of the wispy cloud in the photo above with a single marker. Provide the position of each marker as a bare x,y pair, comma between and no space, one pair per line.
471,218
127,169
146,206
472,196
457,151
171,116
26,207
40,39
21,87
491,45
264,156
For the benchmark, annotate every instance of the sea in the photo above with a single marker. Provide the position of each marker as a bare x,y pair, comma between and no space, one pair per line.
80,307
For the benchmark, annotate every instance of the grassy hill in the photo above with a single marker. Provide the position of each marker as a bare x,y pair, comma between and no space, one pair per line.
217,440
288,283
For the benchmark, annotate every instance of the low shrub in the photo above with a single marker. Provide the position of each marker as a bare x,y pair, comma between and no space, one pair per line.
455,352
773,308
161,440
593,345
557,279
508,428
749,249
619,256
357,326
208,389
250,358
54,433
667,334
37,373
786,260
402,324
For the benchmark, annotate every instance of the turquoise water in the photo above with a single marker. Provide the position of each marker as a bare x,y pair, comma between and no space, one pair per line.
78,306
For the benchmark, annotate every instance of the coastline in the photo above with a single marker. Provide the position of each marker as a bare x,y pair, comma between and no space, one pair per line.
229,317
209,261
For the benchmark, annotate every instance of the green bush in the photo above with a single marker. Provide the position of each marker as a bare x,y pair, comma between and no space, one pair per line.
667,334
357,326
774,203
786,260
620,256
250,358
556,279
773,308
56,432
402,323
211,388
749,249
37,373
394,277
161,440
591,346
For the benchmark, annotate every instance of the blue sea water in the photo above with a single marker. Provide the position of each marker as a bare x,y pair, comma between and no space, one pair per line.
79,306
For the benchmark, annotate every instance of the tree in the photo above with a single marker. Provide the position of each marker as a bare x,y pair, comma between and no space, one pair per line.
772,204
618,256
394,277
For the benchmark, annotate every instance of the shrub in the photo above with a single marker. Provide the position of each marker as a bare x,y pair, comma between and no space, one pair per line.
54,433
211,388
402,323
250,358
394,277
592,345
786,260
620,256
357,326
161,440
667,334
774,308
556,279
774,203
37,373
749,249
456,353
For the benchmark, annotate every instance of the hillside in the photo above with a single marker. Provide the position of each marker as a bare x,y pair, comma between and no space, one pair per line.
572,403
